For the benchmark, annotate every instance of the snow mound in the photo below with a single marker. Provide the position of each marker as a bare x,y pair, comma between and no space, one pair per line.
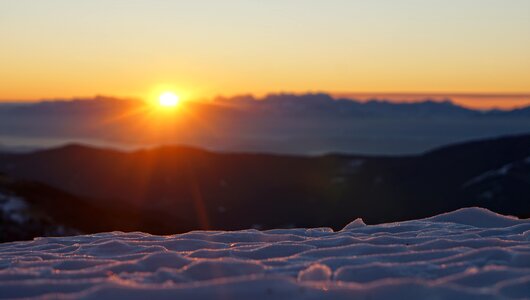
355,224
478,217
467,254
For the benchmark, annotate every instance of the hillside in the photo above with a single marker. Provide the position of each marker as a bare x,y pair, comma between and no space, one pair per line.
30,209
210,190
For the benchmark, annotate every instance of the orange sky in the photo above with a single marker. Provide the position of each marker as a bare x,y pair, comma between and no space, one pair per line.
203,48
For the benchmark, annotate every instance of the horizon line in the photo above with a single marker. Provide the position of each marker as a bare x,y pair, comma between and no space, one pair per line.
475,101
262,95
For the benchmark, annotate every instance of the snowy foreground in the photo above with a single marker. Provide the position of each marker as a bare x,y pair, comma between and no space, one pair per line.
467,254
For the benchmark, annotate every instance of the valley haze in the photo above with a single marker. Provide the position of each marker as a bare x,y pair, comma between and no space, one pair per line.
277,123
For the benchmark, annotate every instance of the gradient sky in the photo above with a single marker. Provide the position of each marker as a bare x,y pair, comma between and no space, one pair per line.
201,48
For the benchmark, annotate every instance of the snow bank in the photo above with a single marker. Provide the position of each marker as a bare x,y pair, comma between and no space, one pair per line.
467,254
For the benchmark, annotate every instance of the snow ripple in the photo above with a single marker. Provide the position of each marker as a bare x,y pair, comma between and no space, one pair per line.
467,254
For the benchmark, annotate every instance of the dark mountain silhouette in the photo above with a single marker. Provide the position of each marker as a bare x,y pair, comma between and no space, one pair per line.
30,209
173,189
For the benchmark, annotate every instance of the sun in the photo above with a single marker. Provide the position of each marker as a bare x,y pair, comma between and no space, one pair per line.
168,99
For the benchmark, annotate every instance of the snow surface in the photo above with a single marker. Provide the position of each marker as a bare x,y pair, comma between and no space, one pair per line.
467,254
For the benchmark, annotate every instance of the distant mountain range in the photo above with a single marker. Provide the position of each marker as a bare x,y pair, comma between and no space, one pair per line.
326,104
280,123
175,189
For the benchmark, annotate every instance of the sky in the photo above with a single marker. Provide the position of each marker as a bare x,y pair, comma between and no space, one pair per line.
204,48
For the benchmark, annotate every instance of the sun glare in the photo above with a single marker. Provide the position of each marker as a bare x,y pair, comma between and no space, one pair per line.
168,99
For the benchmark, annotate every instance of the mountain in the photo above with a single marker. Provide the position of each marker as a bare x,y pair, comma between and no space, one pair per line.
30,209
21,219
277,123
326,105
192,188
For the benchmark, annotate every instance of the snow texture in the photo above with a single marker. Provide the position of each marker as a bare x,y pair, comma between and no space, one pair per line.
467,254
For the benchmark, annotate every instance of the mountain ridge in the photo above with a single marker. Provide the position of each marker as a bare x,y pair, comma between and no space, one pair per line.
237,191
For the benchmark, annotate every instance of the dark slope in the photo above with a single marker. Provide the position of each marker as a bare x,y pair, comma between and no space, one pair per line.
41,210
232,191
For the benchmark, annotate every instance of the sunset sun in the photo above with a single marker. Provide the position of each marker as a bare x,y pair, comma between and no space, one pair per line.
168,99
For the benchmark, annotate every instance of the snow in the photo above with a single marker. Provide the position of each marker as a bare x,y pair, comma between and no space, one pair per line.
467,254
13,208
487,175
353,167
356,163
500,172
